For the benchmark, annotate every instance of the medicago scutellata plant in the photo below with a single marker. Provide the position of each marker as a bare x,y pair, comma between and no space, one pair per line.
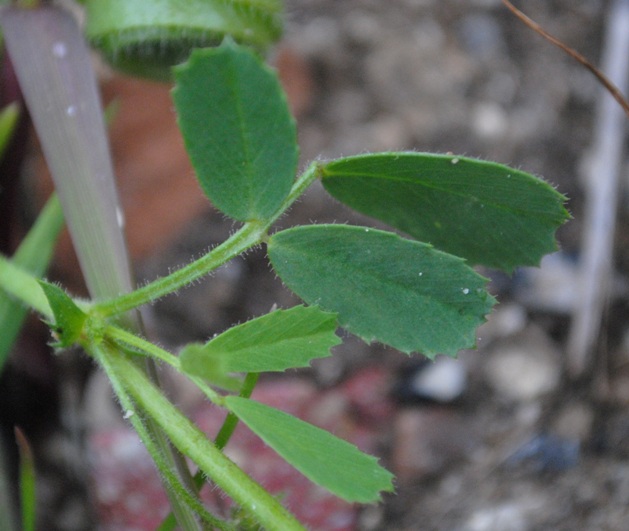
416,292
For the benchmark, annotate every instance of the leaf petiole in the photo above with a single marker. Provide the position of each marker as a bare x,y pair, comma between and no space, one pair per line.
249,235
231,421
143,347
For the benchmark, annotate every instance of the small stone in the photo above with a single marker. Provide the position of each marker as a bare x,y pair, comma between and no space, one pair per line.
489,121
524,367
509,516
547,453
442,381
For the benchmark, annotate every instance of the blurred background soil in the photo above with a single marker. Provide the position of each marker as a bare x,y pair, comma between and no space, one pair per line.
503,439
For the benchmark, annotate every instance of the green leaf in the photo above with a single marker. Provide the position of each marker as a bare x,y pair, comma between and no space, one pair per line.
237,129
195,362
277,341
488,213
400,292
147,38
323,458
33,255
69,318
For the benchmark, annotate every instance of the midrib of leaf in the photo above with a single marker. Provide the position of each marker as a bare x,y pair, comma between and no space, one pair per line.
245,138
435,187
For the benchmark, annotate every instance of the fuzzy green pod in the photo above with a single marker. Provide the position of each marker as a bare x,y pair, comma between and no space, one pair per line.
147,37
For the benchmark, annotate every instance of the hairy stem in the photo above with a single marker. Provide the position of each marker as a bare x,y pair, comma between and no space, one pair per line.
134,416
248,236
133,344
231,421
193,443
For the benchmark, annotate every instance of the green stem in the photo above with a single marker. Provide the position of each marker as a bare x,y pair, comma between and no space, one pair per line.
143,346
224,434
227,428
231,421
249,235
27,482
193,443
132,414
146,348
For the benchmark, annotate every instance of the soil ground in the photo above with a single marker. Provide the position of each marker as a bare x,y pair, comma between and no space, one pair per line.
523,447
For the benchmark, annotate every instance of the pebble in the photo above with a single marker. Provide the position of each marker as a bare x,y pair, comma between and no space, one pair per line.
508,516
547,453
489,121
441,381
524,367
550,287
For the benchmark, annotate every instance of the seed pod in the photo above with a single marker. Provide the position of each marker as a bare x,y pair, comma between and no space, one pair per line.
147,37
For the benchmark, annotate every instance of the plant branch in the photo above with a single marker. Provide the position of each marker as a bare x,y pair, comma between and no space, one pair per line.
224,434
131,413
146,348
231,421
248,236
193,443
602,78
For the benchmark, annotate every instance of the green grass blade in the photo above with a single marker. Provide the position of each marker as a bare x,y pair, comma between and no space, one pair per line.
54,68
8,120
33,256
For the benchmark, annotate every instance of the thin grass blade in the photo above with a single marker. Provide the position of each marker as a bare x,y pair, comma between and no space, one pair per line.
54,68
33,255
